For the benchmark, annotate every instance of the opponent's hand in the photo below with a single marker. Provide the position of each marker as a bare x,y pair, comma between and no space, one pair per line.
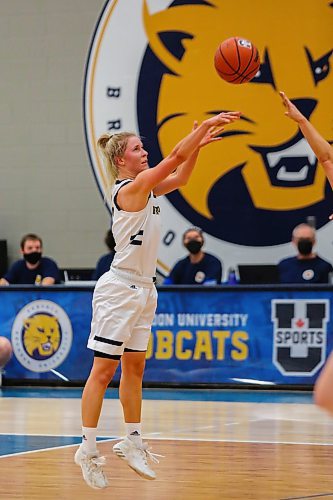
292,112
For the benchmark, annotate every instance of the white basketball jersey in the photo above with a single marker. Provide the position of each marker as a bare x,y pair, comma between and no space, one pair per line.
137,236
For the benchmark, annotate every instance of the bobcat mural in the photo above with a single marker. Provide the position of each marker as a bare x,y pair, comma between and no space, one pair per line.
262,179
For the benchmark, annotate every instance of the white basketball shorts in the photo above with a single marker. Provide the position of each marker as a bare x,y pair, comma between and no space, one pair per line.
123,312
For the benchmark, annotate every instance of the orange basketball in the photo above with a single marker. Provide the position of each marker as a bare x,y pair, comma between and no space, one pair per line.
236,60
6,351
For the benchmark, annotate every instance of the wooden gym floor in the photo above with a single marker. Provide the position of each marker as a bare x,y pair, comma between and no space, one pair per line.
267,445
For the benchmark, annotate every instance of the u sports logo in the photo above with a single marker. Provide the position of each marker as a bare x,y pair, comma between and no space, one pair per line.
41,335
300,335
150,69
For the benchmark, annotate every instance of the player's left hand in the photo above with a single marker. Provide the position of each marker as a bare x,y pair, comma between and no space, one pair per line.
214,131
211,136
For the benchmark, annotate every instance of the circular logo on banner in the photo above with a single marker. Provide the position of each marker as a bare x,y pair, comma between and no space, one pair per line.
41,336
151,71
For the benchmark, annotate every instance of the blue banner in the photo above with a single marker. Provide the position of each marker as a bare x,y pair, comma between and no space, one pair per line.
199,336
48,331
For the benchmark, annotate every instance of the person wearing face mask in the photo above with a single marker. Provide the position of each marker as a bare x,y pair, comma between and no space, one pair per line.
306,266
198,268
33,268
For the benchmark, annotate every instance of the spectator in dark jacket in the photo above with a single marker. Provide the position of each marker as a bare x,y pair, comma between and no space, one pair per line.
306,266
198,268
33,269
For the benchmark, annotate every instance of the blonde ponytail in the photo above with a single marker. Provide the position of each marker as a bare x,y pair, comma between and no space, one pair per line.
112,147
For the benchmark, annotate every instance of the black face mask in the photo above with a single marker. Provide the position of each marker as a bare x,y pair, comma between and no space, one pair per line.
32,257
304,246
194,246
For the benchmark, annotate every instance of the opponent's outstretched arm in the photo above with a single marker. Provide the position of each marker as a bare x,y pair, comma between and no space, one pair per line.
321,148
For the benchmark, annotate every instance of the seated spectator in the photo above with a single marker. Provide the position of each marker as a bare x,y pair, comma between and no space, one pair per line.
33,269
104,263
306,266
198,268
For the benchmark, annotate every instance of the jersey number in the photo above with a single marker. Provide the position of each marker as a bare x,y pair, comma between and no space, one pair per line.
135,238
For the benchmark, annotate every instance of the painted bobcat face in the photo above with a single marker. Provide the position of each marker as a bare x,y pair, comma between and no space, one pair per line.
263,171
41,337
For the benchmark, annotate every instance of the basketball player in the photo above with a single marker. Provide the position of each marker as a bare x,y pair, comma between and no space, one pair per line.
323,393
124,300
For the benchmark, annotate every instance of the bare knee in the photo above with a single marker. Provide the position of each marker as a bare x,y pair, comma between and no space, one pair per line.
133,366
102,379
103,375
133,371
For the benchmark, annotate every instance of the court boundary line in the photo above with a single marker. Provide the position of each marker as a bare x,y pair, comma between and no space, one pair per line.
52,448
105,439
318,495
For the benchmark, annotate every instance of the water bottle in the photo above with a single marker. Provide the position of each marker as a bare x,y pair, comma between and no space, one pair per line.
232,279
38,280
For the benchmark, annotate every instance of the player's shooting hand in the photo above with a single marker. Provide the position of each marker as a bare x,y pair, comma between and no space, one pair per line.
223,118
211,136
217,127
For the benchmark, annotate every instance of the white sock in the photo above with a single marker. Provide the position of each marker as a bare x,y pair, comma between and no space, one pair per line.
134,433
89,439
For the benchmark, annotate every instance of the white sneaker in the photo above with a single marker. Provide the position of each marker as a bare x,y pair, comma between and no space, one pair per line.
91,465
136,457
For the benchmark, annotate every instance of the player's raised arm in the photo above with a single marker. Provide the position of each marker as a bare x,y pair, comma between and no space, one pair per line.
321,148
148,180
181,175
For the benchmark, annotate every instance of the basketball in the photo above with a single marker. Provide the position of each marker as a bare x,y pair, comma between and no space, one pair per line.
236,60
6,351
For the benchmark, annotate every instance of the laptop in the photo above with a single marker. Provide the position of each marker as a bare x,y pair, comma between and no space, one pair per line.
78,276
258,274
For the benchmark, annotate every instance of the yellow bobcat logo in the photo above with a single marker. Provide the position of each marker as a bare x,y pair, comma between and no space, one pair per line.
263,172
41,336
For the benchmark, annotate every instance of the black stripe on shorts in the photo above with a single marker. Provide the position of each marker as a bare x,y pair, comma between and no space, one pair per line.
108,341
98,354
133,350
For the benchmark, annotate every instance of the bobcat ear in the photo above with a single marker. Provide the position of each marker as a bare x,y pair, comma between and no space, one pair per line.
26,323
181,22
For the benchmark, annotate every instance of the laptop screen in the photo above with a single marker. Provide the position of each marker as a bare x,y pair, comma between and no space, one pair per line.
258,274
